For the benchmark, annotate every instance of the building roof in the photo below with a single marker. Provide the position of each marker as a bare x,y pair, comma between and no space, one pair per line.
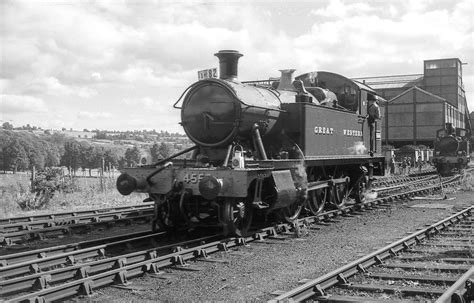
387,82
364,86
420,90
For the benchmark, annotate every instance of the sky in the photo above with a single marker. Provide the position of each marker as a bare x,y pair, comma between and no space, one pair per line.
121,65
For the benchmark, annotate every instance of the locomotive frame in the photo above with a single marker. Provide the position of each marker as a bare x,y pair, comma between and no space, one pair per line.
268,151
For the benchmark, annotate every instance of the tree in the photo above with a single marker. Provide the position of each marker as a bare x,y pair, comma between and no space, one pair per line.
7,126
58,139
154,152
91,156
72,156
5,137
132,156
101,135
164,150
111,158
53,155
14,156
35,151
159,151
39,151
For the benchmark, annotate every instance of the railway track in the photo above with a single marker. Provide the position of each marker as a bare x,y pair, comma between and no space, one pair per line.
62,272
409,185
29,228
399,179
418,267
68,215
21,229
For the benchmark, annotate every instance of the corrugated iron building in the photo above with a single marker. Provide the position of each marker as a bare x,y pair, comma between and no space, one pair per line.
420,104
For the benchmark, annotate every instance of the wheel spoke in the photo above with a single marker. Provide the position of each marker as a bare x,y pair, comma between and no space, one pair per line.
237,215
317,200
340,194
361,190
291,213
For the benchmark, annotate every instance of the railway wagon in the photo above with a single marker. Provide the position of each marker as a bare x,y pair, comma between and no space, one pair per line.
451,150
263,151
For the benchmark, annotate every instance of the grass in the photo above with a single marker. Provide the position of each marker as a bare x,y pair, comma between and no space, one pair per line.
89,194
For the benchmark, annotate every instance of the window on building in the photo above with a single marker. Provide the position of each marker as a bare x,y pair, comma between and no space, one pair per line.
441,64
448,64
431,65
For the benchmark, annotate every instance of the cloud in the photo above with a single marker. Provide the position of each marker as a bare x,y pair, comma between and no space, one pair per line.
145,53
146,105
352,42
96,76
53,87
145,102
53,39
339,9
170,123
143,74
93,115
15,104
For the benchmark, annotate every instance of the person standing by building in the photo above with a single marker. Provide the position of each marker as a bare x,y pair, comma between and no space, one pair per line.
420,163
404,165
392,165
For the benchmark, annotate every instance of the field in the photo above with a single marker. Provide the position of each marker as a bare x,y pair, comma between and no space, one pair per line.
88,194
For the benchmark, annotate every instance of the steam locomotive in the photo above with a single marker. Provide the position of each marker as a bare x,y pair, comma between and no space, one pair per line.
451,150
264,149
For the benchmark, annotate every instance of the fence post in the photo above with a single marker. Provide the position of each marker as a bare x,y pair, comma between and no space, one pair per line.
102,174
33,177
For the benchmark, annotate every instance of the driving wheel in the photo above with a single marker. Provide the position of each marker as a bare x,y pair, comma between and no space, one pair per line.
291,212
317,200
237,216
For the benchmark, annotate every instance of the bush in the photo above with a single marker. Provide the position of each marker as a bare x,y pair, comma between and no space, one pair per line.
46,183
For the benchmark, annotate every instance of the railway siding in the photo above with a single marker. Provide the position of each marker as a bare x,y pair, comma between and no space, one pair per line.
317,289
39,227
88,275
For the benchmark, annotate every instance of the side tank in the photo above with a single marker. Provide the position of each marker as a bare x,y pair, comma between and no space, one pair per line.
216,112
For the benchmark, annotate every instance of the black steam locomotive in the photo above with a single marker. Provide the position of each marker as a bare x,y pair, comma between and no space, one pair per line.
451,150
264,148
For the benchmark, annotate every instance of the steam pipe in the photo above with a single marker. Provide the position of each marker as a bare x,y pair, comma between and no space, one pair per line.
148,178
227,157
259,142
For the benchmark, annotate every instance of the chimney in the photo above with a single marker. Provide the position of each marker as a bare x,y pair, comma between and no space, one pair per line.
287,78
228,64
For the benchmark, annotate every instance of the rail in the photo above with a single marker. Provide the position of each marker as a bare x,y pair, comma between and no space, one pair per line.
318,286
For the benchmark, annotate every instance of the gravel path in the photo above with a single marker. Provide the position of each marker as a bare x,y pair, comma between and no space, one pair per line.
254,272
